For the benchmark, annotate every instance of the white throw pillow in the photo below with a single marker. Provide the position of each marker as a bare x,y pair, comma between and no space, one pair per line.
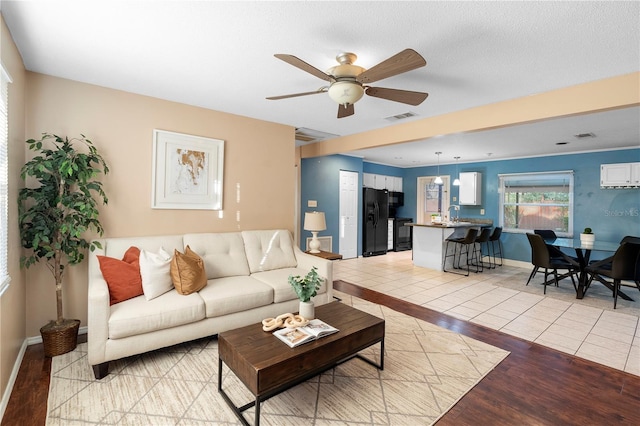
155,273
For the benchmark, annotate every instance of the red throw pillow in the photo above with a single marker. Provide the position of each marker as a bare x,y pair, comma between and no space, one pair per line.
122,276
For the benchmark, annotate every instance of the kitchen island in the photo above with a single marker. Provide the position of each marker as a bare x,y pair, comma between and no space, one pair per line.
429,240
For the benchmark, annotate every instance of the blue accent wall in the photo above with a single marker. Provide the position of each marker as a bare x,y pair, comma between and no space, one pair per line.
320,179
611,213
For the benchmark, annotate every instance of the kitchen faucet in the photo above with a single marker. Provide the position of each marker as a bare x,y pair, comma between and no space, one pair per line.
457,209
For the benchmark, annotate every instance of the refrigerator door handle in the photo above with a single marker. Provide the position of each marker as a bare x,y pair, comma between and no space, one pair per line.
376,213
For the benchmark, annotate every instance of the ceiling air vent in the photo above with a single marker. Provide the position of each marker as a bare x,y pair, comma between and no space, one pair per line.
305,136
401,116
584,135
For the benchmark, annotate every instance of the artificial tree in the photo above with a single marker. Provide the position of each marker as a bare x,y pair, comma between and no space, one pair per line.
54,215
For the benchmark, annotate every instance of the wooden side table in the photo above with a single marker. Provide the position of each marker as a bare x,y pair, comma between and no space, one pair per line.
326,255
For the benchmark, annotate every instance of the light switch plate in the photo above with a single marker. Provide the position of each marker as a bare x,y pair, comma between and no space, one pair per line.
312,203
482,212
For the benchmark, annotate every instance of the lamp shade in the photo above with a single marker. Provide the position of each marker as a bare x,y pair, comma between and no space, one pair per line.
314,221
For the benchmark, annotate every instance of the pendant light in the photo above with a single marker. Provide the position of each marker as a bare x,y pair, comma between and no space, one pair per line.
456,181
438,180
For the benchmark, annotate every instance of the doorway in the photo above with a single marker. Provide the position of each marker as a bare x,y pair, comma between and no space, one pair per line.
348,232
432,199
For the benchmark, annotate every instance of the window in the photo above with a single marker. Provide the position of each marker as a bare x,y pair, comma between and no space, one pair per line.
4,179
531,201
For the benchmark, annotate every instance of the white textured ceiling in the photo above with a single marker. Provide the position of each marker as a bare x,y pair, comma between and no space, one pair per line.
219,55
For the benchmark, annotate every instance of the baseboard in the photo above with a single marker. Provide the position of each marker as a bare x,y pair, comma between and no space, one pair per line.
12,379
16,368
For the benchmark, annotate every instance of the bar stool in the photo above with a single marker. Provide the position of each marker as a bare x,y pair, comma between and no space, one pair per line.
466,246
483,239
495,240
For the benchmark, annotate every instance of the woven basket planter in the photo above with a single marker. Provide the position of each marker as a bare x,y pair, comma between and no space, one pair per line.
60,339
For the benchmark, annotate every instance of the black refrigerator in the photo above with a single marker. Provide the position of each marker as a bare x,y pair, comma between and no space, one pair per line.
375,228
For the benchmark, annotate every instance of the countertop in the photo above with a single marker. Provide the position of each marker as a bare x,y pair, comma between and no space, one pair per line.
443,225
462,223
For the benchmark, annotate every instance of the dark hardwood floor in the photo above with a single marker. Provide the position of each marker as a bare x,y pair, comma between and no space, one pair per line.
534,385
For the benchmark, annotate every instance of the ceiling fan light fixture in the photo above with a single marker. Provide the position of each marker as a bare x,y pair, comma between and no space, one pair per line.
346,92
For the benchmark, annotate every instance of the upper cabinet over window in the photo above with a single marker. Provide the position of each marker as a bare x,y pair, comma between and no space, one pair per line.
620,175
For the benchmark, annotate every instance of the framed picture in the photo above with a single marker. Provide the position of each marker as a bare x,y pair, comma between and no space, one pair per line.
187,172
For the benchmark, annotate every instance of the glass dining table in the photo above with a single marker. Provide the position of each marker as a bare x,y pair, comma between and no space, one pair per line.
583,254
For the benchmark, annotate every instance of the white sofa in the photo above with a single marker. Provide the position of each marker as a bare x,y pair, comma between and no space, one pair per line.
247,282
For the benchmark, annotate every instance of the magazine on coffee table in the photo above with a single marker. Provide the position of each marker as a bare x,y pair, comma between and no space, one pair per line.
315,329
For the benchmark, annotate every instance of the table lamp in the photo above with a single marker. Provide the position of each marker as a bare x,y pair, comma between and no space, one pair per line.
314,222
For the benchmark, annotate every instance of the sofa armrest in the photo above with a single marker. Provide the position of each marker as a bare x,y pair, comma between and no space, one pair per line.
98,309
325,268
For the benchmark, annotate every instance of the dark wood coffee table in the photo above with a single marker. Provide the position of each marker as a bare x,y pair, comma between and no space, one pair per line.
268,366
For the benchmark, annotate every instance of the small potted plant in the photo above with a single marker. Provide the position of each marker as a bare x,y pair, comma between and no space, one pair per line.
587,236
306,287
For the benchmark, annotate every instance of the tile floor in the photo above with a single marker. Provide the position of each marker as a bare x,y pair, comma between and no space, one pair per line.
498,298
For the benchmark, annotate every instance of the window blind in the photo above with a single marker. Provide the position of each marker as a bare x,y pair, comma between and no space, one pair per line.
4,179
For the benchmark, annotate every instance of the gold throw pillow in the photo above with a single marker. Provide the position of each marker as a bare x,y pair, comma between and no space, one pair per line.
187,272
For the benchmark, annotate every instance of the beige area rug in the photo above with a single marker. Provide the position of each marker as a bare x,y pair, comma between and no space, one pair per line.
427,370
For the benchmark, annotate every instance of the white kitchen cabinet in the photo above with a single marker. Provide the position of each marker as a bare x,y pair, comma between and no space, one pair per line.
368,180
635,174
620,175
470,192
394,183
390,183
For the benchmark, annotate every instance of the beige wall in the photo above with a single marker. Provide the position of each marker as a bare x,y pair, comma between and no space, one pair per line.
13,302
259,172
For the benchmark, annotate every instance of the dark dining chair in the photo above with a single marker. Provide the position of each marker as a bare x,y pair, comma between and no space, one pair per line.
541,258
623,265
625,239
549,235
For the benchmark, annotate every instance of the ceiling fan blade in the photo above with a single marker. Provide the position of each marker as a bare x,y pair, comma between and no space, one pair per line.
294,95
404,61
345,111
299,63
403,96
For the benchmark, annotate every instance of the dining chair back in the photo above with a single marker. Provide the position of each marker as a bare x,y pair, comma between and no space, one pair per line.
550,235
541,258
547,234
623,265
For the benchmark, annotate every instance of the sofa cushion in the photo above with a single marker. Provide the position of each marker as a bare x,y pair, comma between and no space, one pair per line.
139,316
268,250
228,295
187,272
223,253
278,279
155,270
122,276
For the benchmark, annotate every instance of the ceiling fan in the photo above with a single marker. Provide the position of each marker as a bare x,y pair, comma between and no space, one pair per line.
347,82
